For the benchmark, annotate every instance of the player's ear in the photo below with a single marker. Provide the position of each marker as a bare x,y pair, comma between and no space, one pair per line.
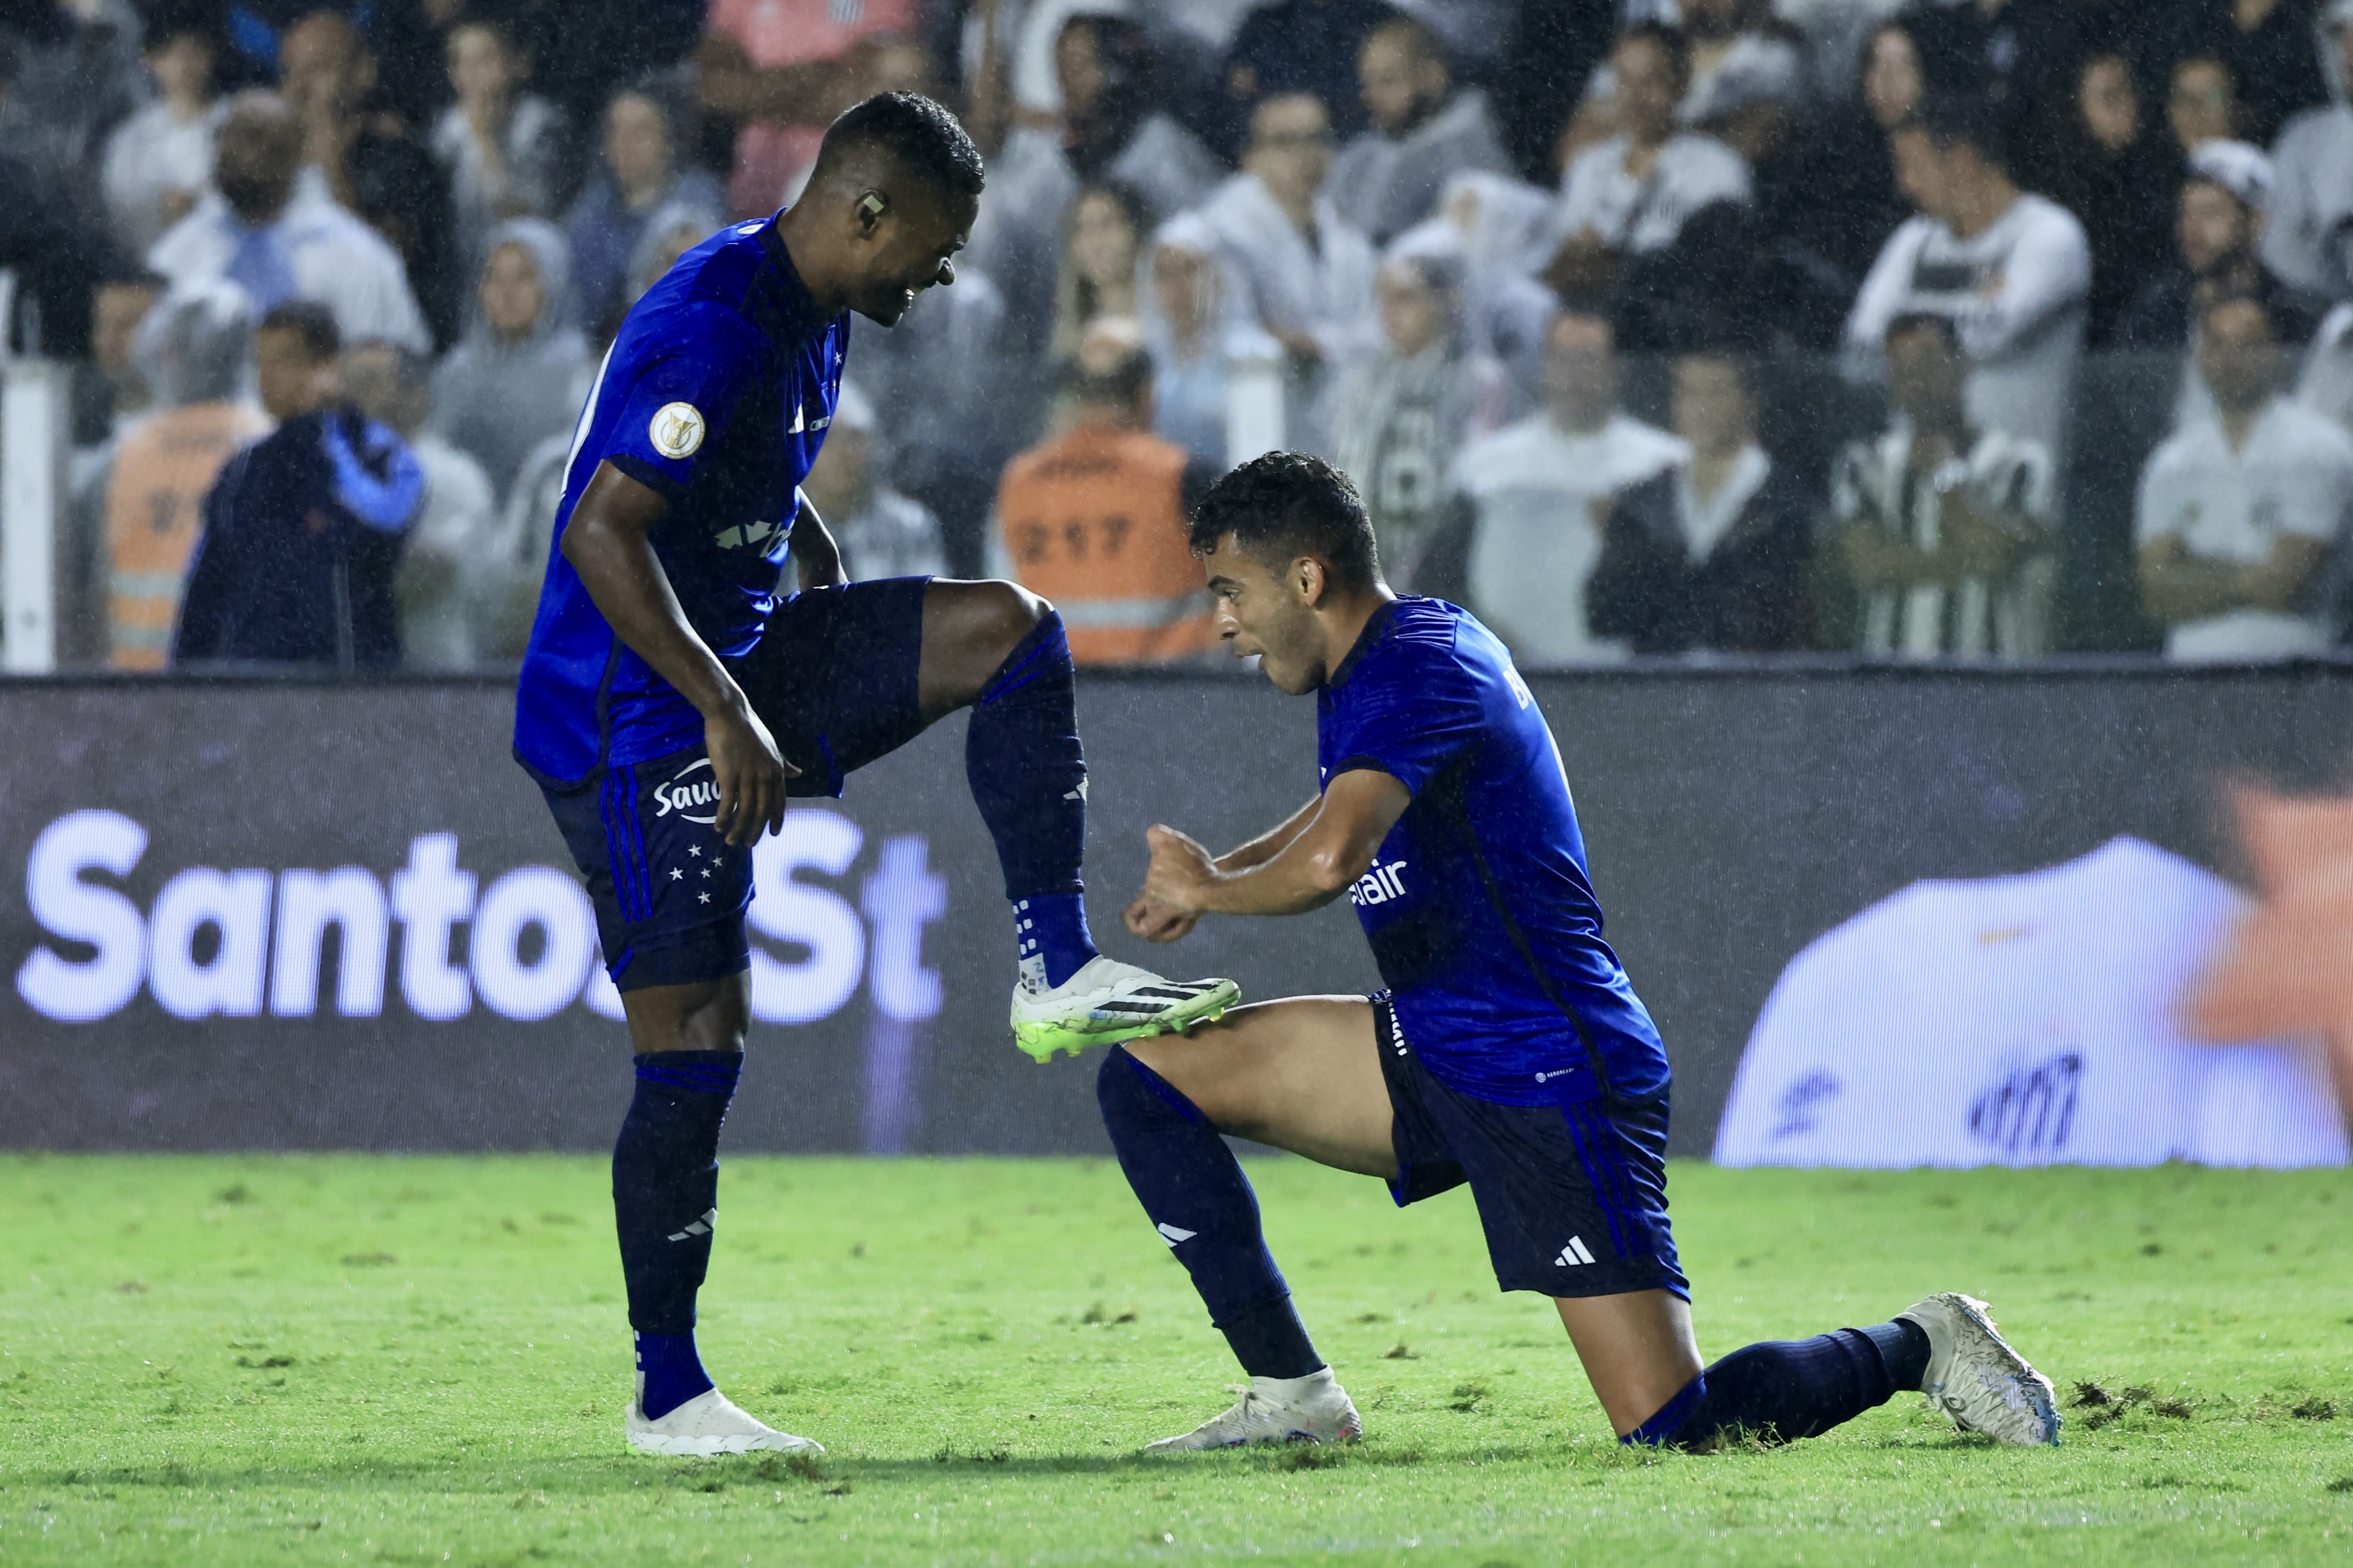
873,208
1307,575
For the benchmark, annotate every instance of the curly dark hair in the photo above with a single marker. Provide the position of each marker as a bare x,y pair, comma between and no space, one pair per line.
918,133
1284,505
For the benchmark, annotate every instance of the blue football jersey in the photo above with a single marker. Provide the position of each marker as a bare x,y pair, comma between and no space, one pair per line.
1478,906
717,393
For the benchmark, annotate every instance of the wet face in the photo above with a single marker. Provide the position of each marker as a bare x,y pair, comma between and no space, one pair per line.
513,294
1414,316
1103,241
2237,356
2109,106
2212,226
1580,371
1270,613
292,381
1712,408
256,152
1925,376
1649,88
1891,83
2204,106
637,143
1290,146
909,248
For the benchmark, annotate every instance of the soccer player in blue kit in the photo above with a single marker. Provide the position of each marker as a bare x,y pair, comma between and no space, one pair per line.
673,694
1509,1051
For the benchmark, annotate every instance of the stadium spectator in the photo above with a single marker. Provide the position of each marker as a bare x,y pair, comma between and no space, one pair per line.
1400,414
73,74
281,238
2218,222
302,530
1301,46
2010,270
453,569
2007,55
113,389
675,228
640,174
2119,180
1100,248
1711,555
2204,106
192,351
502,147
1747,80
158,160
783,70
522,372
1424,131
1541,489
1112,128
1306,273
1943,524
1833,198
2313,165
370,164
880,533
1093,518
2266,46
1195,334
1630,194
2240,513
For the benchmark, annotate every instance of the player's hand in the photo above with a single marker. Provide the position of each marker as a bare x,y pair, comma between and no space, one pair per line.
1176,886
749,772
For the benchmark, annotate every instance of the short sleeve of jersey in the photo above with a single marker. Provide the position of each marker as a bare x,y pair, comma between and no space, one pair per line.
678,399
1409,711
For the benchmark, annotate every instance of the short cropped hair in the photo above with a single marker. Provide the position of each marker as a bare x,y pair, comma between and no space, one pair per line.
1952,119
311,322
1284,505
918,133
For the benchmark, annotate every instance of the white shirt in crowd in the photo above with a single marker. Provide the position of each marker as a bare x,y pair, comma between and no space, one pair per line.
1325,289
2004,477
2293,476
152,156
453,571
892,535
1539,496
2023,1020
2312,194
1706,521
333,258
1386,185
1639,215
2015,294
2326,384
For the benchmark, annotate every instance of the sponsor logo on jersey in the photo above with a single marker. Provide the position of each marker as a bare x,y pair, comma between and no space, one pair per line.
746,534
804,422
1379,885
694,799
2030,1112
676,429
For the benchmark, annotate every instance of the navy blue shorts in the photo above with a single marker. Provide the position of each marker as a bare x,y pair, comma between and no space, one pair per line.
834,679
1573,1196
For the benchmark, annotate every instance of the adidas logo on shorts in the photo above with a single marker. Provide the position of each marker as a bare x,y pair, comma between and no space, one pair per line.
1573,1254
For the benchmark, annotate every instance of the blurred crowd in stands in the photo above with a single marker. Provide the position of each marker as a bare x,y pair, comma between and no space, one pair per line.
1917,328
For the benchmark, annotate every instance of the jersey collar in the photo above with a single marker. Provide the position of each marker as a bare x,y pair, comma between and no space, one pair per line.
789,309
1374,627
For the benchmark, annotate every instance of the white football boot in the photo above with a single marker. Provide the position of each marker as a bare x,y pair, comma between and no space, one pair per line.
1106,1002
1977,1380
706,1425
1311,1409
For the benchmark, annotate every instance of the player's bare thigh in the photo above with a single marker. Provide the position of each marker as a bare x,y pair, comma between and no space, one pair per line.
701,1015
968,630
1302,1074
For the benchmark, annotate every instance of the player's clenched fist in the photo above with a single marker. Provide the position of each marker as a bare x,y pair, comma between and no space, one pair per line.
749,773
1174,886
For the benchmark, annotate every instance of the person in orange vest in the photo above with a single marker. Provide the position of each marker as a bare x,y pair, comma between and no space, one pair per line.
193,347
1093,518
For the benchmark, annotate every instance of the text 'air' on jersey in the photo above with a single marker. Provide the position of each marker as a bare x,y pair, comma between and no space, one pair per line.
717,393
1478,906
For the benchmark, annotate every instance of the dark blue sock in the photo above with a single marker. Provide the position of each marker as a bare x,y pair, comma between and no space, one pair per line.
670,1373
1783,1390
1028,776
1195,1194
665,1201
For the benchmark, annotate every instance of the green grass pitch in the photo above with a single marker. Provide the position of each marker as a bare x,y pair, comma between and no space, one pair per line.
256,1360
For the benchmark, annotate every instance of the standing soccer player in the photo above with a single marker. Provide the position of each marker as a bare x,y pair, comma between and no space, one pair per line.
672,695
1510,1050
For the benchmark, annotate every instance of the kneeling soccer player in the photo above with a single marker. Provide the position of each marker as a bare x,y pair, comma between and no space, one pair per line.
1509,1052
672,695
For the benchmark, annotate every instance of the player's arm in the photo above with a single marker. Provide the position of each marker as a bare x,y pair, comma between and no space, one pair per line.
1149,921
814,552
1332,848
609,542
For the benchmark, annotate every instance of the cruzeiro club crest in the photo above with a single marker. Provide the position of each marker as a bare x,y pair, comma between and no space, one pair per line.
676,429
